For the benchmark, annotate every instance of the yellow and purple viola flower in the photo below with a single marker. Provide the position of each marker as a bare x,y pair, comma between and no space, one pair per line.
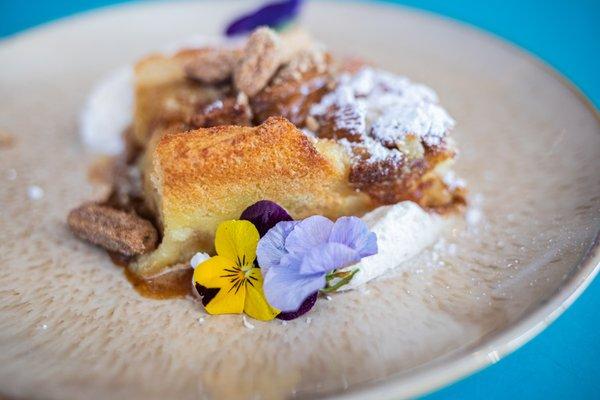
230,282
297,257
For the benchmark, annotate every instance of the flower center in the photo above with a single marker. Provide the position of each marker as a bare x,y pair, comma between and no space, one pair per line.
240,274
244,267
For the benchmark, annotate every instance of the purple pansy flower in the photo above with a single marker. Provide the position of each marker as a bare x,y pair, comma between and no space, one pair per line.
295,256
265,215
271,14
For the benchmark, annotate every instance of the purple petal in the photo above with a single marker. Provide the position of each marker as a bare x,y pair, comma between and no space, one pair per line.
305,307
264,215
286,289
327,257
272,14
271,247
206,294
353,232
309,233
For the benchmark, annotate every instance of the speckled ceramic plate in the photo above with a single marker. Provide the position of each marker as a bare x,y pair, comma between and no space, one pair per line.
72,327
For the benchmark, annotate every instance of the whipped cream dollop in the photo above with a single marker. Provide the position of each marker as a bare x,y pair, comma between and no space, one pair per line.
108,112
403,230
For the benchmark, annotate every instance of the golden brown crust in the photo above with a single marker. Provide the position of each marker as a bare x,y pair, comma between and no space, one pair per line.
232,156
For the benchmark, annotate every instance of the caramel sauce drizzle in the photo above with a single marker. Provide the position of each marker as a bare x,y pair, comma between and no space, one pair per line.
176,283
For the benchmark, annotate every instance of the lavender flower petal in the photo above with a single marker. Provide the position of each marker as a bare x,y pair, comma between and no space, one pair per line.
309,233
353,232
327,257
286,289
296,257
264,215
271,247
271,14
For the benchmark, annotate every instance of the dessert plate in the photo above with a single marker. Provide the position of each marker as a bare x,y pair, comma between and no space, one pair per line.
71,325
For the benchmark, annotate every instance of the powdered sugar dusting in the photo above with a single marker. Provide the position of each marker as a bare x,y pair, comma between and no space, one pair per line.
428,121
350,118
35,192
377,151
385,108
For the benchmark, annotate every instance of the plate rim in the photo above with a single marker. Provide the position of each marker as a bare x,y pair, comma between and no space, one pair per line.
489,349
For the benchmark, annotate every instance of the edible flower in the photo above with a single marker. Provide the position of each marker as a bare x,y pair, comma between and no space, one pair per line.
273,14
265,214
230,282
298,258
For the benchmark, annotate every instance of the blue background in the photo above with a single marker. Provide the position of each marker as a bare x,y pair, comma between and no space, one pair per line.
564,360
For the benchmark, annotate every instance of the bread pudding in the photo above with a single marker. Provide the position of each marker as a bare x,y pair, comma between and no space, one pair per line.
216,129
